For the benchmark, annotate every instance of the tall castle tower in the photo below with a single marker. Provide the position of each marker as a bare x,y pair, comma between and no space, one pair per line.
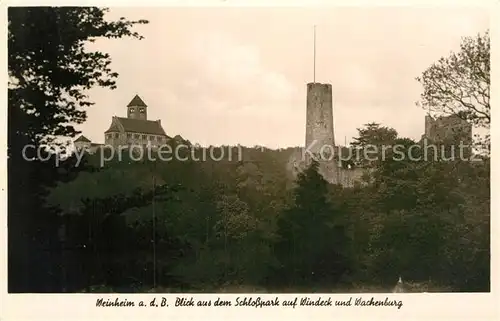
319,119
137,109
320,137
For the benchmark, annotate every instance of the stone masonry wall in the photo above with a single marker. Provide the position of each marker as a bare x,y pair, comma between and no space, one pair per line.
330,170
319,117
450,128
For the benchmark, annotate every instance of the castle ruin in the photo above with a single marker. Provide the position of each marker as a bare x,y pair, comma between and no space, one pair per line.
319,118
448,129
320,141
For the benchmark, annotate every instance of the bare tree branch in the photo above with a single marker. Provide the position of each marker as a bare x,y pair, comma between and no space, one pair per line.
460,83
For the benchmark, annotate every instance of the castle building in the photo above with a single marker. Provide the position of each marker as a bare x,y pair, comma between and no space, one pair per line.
448,129
320,141
135,129
319,118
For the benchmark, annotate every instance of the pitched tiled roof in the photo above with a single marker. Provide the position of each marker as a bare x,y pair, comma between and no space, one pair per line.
82,139
113,128
136,101
138,126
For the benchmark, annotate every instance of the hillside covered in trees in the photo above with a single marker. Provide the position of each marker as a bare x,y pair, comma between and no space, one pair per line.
242,224
134,226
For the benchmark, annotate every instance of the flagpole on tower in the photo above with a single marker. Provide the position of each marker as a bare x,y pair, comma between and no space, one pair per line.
314,55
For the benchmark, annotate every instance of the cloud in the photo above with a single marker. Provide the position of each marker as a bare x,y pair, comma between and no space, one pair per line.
225,76
233,74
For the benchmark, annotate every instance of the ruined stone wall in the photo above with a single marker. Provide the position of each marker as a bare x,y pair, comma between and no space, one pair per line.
429,126
330,170
319,118
334,174
352,177
320,140
448,129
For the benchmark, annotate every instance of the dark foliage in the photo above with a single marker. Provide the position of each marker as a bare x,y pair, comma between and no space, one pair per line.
49,72
135,226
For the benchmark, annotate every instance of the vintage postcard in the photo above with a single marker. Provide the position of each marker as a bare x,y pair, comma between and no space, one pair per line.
326,161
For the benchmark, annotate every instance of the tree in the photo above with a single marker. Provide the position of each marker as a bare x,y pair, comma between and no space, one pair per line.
50,70
425,213
374,134
371,140
460,84
313,243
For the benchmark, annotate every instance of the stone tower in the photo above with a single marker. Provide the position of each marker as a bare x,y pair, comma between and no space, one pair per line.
319,120
320,137
137,109
320,141
450,129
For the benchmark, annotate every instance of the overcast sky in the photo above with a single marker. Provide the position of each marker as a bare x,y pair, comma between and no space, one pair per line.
228,76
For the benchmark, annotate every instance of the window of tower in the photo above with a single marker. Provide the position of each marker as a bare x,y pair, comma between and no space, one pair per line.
132,110
141,110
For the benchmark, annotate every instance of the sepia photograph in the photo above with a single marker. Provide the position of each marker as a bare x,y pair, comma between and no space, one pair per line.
248,150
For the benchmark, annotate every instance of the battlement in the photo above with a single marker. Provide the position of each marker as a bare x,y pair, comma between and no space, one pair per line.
316,85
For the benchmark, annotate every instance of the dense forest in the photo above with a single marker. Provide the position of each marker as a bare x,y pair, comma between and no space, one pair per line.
233,224
230,225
